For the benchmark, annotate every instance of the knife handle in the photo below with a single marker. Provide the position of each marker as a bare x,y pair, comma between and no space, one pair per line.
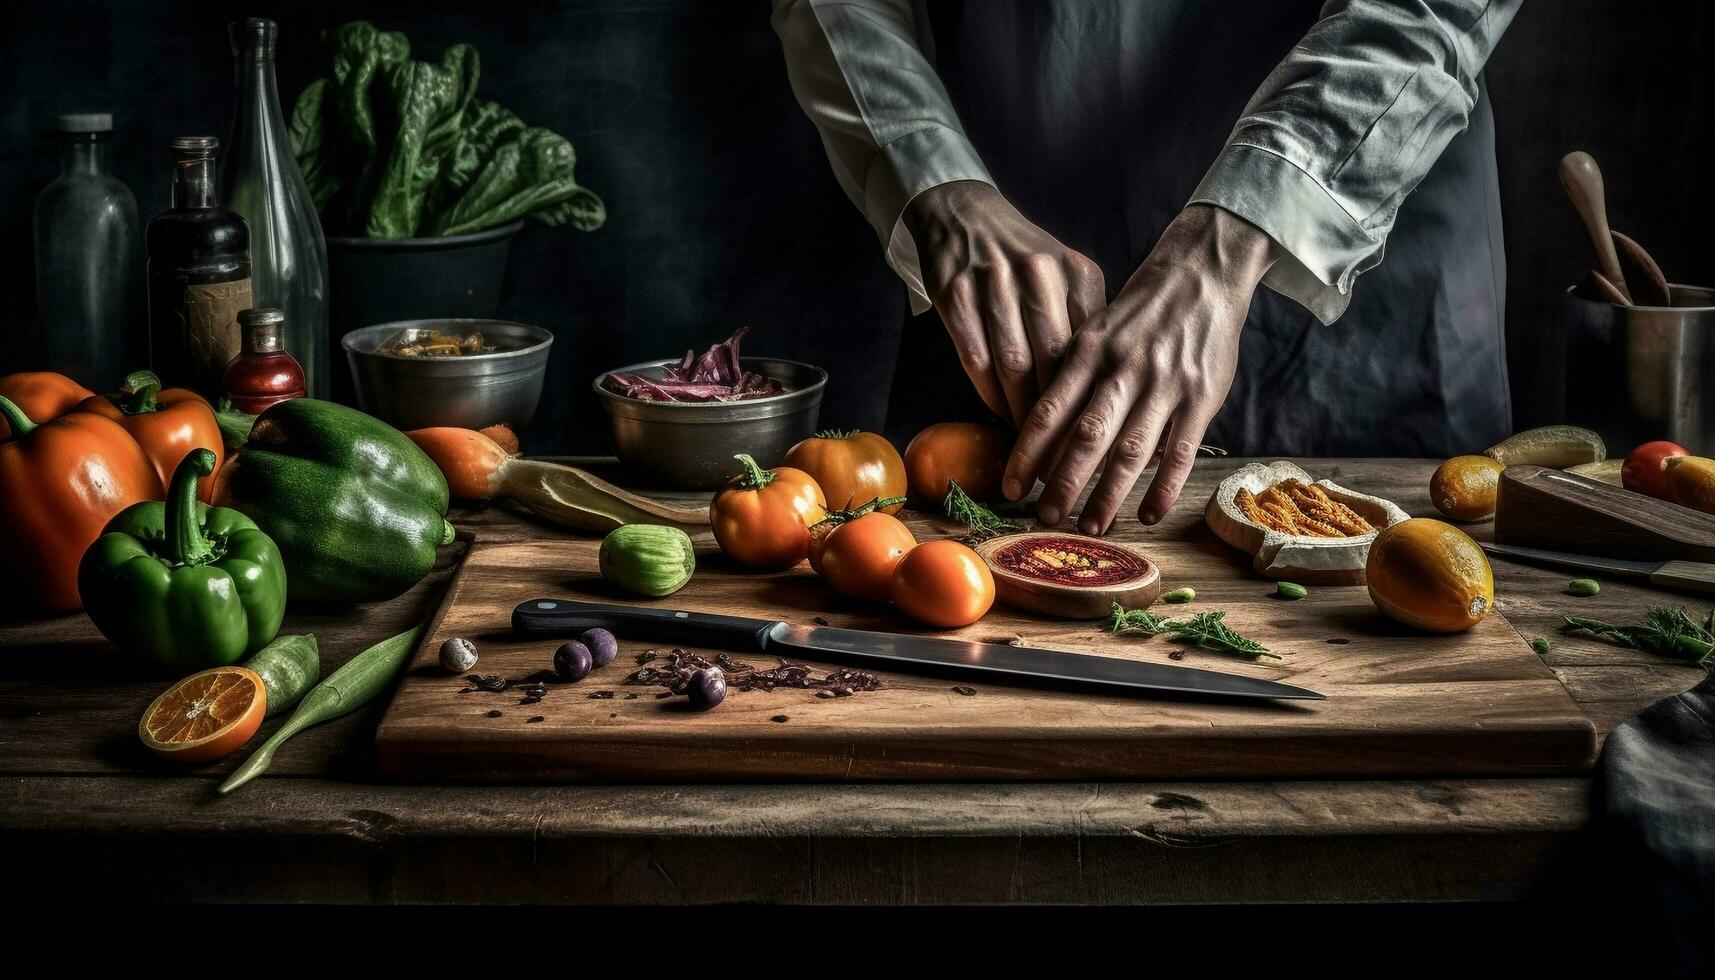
1691,576
561,617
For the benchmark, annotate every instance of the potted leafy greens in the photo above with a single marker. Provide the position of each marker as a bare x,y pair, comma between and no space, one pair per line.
421,185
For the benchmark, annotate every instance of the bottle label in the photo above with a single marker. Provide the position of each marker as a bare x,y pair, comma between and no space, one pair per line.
212,337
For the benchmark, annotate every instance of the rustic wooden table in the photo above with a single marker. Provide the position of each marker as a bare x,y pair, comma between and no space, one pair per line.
85,812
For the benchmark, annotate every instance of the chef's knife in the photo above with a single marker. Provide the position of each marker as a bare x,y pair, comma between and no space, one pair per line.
558,617
1689,576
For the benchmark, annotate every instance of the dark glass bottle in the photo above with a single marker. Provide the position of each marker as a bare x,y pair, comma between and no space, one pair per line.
86,260
199,275
260,180
263,373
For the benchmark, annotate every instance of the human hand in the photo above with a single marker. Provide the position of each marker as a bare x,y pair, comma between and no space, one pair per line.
1009,293
1144,375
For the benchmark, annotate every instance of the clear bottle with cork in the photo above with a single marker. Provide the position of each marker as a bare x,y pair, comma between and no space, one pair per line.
199,275
264,372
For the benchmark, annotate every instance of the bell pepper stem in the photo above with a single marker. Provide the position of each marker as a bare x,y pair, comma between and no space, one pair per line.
141,387
186,544
754,476
15,417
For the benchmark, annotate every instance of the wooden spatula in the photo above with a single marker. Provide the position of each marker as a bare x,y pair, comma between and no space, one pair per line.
1603,288
1543,508
1582,180
1647,285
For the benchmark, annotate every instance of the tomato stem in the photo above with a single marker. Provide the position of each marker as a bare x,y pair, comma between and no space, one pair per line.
837,517
754,476
839,433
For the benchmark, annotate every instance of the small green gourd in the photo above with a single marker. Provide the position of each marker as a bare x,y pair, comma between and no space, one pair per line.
289,666
648,559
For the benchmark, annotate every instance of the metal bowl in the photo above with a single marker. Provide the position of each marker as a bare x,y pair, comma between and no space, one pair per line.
470,391
690,445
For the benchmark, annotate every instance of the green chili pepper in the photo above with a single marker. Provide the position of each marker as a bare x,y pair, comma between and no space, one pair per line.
346,689
1583,586
183,584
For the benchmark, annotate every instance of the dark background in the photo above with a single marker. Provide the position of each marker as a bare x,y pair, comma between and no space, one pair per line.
722,210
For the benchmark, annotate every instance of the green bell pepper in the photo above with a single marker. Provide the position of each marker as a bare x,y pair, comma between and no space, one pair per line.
356,508
183,584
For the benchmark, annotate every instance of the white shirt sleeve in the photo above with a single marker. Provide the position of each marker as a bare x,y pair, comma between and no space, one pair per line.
886,122
1345,127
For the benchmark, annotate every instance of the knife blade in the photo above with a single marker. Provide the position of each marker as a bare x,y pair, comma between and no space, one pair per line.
1687,576
558,617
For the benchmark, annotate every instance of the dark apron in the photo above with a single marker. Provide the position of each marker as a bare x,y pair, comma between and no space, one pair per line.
1098,120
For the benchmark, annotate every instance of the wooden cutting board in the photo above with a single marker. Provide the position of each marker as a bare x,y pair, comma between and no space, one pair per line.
1399,702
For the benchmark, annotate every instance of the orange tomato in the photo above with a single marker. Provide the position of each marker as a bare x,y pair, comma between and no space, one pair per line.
942,583
43,395
851,467
1431,575
1645,469
62,481
973,454
205,716
167,425
859,556
762,518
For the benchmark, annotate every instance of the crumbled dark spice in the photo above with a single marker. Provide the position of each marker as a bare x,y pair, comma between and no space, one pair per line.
1338,640
968,692
601,695
534,719
782,719
1176,655
495,713
491,682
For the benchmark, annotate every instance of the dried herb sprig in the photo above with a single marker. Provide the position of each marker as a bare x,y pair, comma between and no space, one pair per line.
1207,630
983,523
1141,621
1667,632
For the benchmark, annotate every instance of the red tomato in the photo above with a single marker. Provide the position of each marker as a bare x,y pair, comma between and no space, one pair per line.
762,517
859,556
974,455
942,583
1646,467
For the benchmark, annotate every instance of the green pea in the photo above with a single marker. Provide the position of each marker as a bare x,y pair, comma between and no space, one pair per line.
1180,595
1583,586
1540,645
1290,590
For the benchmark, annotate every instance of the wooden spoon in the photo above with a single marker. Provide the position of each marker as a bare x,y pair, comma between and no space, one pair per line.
1648,286
1582,180
1604,289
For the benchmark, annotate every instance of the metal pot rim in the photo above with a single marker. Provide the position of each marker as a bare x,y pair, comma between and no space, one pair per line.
483,237
715,412
543,341
1673,287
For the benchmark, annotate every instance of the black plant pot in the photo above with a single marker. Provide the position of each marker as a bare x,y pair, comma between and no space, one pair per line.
382,280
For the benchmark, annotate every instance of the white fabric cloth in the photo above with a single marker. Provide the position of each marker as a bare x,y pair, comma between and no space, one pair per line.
1329,146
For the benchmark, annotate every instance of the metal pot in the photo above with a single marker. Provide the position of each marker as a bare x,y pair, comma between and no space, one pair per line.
1636,373
470,391
690,445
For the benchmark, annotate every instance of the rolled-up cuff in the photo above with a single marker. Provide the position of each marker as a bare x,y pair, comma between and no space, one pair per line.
1326,248
907,167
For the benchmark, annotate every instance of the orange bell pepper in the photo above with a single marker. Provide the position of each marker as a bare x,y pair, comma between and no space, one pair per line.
60,483
43,395
167,424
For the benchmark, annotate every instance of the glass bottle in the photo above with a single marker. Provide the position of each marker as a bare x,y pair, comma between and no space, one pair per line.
262,182
263,373
86,260
199,275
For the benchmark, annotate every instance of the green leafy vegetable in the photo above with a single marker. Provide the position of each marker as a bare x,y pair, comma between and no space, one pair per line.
351,687
396,148
1123,620
1664,631
983,523
1208,630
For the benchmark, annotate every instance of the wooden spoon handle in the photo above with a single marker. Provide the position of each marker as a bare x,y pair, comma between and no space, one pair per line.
1582,180
582,501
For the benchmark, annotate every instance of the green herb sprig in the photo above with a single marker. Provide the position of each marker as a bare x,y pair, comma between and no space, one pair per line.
1667,632
1208,630
983,523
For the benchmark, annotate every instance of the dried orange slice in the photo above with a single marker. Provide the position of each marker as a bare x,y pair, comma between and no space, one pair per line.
205,716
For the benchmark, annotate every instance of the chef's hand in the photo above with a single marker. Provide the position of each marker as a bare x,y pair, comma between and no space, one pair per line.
1144,375
1009,293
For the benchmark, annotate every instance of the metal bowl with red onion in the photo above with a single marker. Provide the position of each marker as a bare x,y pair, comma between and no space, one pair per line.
678,424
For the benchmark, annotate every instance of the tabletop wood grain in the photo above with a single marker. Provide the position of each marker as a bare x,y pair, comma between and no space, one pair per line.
80,802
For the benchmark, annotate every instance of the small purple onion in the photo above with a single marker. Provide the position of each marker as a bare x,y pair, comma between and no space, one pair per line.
573,661
708,688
